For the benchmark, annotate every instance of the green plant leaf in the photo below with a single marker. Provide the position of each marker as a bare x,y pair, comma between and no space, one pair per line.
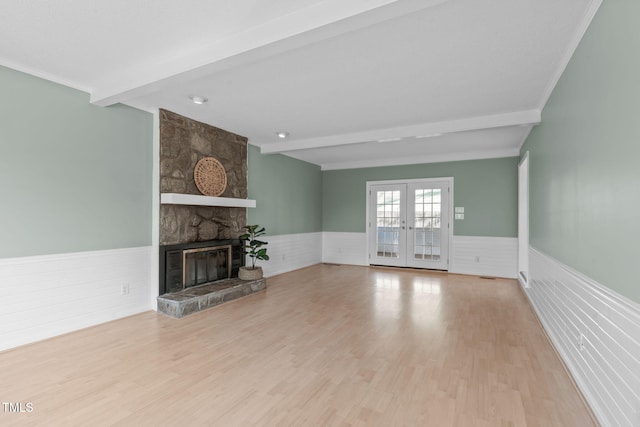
252,246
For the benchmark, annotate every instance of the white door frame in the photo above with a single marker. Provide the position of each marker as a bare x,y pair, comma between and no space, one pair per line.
523,221
368,220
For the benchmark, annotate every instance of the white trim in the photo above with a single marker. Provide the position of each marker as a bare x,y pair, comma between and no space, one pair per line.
155,213
450,126
198,200
450,182
427,158
449,179
5,62
596,333
524,138
523,220
573,45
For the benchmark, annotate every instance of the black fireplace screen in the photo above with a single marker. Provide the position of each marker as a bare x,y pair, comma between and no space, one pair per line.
191,264
205,265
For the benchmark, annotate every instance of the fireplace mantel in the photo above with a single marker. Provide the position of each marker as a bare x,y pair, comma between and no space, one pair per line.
197,200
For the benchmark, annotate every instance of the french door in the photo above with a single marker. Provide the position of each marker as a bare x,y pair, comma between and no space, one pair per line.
408,224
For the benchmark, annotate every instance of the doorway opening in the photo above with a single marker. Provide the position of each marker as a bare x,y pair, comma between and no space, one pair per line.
409,222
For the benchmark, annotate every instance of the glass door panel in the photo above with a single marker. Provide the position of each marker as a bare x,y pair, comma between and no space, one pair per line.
427,237
408,225
389,238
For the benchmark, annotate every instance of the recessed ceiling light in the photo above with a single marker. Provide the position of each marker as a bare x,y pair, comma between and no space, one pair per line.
198,99
282,135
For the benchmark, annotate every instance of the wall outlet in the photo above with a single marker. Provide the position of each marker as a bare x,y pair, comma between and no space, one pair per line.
124,290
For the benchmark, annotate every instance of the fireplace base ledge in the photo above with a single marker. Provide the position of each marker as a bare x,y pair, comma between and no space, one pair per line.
198,298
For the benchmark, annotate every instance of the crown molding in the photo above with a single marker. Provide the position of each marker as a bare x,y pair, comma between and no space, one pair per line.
573,45
43,75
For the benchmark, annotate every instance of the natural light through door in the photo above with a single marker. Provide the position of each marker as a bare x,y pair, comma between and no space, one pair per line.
409,224
428,224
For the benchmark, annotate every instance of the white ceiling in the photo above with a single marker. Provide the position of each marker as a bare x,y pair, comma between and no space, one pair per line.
435,80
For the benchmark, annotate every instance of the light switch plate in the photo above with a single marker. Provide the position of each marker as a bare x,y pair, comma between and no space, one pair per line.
459,209
459,216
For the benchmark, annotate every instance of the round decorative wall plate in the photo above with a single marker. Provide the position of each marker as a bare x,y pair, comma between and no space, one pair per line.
210,177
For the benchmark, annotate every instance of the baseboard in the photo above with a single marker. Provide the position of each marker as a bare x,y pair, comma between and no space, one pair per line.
50,295
595,331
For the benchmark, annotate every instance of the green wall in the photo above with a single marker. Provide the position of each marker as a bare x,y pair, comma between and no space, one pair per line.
487,189
74,177
584,173
288,193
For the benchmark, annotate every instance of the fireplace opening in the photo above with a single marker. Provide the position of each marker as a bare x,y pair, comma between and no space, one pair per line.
205,265
198,263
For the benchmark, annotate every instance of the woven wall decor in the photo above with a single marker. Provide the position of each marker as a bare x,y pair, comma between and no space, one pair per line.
210,176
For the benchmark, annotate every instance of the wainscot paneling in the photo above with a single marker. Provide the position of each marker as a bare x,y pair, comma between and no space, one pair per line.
597,334
484,256
344,248
45,296
290,252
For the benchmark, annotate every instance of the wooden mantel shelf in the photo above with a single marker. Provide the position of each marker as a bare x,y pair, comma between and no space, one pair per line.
194,199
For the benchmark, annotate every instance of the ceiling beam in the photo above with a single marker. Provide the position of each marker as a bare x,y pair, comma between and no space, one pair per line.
423,159
323,20
527,117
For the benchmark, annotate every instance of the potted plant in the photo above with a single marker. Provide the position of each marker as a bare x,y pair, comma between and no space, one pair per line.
254,248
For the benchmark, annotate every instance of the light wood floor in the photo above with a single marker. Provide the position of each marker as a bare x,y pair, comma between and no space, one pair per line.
326,345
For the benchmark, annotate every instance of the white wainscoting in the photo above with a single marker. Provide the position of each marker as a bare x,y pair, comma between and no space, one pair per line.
484,256
344,248
45,296
497,256
290,252
597,334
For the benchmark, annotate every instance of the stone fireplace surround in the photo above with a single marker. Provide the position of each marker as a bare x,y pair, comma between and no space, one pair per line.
183,142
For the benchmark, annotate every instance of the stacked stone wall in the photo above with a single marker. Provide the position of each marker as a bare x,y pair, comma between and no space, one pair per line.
183,142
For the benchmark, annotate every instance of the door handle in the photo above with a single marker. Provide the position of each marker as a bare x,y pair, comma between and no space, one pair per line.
410,228
402,227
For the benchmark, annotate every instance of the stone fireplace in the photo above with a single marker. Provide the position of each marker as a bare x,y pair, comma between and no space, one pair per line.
199,244
183,142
